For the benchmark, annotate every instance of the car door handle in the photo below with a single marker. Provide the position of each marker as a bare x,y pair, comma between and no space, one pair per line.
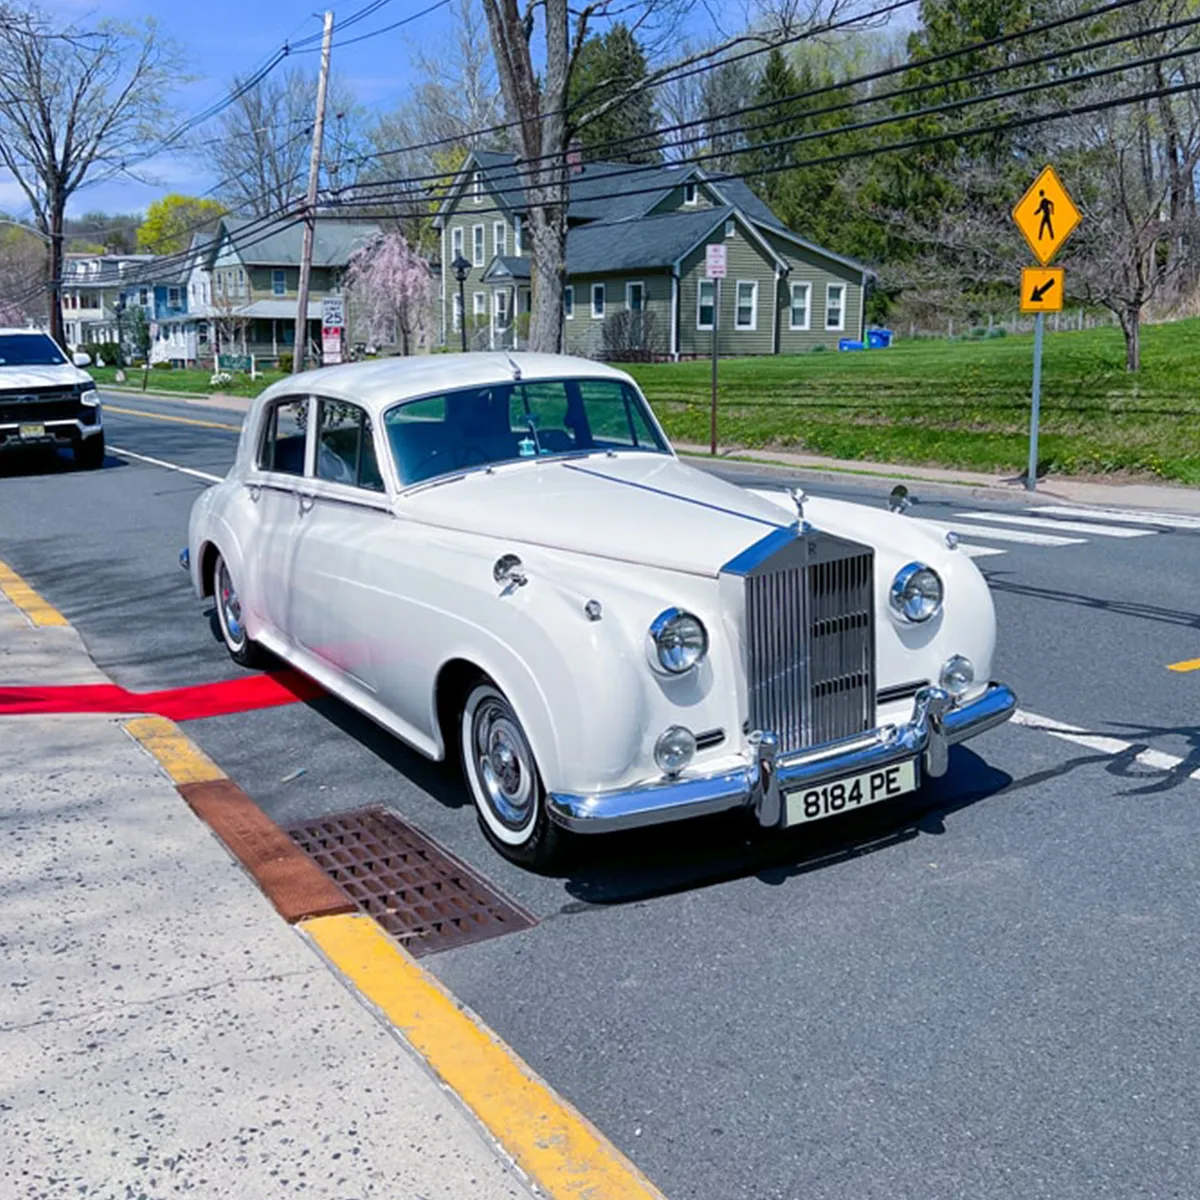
306,502
255,492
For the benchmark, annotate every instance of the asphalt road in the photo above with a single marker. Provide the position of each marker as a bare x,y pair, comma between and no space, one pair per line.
989,993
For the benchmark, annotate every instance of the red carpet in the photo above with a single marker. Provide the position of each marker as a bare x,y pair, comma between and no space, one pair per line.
179,704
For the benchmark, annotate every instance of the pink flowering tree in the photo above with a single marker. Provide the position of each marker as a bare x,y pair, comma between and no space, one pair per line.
391,289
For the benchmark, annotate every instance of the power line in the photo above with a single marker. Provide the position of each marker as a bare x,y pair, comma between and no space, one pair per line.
362,37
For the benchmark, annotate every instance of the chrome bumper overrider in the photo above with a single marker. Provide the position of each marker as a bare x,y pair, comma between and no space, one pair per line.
936,724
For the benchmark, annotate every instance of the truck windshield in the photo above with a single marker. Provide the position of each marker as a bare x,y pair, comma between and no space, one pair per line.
29,350
506,422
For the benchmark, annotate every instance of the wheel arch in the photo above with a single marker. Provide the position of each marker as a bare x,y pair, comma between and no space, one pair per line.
208,568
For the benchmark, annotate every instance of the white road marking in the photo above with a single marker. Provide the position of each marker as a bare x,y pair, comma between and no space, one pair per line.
158,462
1131,517
1066,526
992,534
979,551
1100,742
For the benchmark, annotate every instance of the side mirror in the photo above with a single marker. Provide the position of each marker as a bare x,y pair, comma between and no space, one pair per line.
80,359
898,501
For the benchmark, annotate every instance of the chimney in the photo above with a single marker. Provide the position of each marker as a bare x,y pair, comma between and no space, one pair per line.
575,157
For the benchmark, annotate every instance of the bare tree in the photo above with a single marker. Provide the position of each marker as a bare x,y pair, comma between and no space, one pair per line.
265,139
23,295
536,100
75,104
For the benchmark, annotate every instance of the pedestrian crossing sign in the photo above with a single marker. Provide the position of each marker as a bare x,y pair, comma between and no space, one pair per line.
1046,215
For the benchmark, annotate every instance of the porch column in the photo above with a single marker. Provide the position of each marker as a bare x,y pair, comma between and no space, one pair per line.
275,336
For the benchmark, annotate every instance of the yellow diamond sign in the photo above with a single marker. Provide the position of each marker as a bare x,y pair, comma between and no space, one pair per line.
1046,215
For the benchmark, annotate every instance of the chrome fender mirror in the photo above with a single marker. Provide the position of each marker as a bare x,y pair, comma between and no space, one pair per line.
509,573
898,500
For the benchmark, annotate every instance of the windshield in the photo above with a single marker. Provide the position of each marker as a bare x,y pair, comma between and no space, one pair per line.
506,422
29,350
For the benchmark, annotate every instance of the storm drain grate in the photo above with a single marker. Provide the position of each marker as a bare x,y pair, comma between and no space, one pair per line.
421,894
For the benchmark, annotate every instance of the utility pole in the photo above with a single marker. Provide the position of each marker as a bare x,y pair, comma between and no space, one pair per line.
310,206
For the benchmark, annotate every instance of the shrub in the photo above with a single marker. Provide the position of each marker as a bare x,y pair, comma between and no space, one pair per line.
287,362
977,331
220,379
819,348
997,331
162,366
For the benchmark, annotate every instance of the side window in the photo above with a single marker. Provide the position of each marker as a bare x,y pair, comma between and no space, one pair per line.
284,432
346,446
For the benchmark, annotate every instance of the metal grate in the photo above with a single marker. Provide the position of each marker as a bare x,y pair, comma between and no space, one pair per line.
810,643
419,893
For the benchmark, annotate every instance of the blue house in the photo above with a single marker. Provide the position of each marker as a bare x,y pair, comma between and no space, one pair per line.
160,289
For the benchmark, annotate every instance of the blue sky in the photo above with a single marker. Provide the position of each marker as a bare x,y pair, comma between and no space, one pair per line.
221,38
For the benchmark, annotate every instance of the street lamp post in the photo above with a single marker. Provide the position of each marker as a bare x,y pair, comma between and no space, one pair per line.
461,267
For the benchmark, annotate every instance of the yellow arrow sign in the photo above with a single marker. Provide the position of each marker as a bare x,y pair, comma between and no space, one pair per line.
1046,215
1042,289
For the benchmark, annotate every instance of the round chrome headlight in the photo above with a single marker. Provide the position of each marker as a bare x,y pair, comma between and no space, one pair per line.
957,674
917,592
677,641
674,749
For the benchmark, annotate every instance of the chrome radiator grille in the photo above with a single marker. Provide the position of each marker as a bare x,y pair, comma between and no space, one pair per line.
810,642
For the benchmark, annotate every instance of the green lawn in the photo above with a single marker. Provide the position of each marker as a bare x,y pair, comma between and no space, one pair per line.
958,404
955,404
187,381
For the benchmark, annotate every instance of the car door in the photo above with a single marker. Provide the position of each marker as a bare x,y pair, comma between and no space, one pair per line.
276,488
344,516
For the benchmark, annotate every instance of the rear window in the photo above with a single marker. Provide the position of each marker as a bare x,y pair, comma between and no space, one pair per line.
29,350
283,437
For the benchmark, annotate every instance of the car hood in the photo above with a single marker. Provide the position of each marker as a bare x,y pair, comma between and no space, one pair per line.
640,508
63,375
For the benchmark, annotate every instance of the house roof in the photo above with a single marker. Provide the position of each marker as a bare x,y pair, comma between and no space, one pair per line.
506,266
649,242
279,246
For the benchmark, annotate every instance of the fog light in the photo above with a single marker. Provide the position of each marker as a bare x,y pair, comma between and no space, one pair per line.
674,749
958,673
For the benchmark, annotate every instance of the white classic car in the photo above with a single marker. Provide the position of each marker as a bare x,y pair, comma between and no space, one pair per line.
500,557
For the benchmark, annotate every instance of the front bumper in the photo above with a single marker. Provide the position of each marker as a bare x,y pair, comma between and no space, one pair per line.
59,432
936,724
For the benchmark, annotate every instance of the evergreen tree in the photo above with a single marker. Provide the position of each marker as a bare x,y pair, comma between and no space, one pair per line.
608,65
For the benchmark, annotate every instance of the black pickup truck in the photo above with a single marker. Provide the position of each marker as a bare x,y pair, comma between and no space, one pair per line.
46,400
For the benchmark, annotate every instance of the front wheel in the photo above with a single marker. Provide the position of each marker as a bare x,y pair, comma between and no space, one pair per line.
229,618
505,782
89,452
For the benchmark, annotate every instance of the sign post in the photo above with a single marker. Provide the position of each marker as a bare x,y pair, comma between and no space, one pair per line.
1046,216
715,266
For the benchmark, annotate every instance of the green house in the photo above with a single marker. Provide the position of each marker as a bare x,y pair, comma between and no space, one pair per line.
636,275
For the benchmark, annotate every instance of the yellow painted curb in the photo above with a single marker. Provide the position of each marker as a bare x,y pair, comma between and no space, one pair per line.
558,1148
176,753
27,600
137,412
1191,664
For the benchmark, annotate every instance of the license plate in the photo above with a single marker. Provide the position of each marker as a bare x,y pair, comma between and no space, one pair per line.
855,791
30,430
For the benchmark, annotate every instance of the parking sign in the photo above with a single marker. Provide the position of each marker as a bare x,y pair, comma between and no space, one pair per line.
715,261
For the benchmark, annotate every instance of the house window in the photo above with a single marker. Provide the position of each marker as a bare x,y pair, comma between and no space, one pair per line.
517,237
801,297
705,298
278,283
635,294
479,305
143,297
456,243
477,187
597,300
690,195
500,238
202,333
730,228
747,304
500,302
457,316
835,306
477,246
173,297
569,302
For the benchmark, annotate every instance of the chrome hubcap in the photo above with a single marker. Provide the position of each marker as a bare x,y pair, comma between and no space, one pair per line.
231,606
504,763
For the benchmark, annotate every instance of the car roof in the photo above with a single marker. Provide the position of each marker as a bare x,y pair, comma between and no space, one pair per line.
384,381
4,330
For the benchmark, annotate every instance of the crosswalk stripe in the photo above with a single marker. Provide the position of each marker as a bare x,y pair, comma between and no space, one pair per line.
979,551
992,534
1129,516
1066,526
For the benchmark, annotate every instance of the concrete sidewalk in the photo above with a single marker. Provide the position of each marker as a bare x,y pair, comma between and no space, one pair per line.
162,1031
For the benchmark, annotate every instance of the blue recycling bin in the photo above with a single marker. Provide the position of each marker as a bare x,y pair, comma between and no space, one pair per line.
849,344
879,339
